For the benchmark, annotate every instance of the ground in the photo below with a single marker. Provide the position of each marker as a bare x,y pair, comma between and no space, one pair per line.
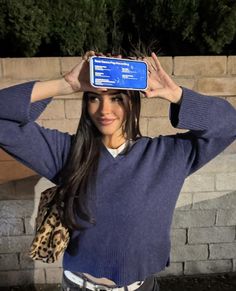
226,282
223,282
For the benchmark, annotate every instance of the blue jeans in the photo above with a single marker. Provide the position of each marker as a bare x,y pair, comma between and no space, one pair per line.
150,284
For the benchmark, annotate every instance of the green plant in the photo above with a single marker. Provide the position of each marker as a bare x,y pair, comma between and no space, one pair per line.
67,28
24,24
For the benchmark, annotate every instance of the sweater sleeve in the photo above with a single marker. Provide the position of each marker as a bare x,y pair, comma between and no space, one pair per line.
15,103
43,150
211,122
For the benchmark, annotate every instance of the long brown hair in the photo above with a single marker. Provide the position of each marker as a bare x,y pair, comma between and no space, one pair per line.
81,165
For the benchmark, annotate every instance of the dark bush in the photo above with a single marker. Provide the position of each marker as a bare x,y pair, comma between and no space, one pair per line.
75,25
180,27
23,26
67,28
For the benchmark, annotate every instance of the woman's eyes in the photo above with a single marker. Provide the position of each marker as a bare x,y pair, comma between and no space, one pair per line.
116,98
93,98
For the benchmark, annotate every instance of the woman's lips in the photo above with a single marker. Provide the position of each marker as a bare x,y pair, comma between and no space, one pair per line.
106,121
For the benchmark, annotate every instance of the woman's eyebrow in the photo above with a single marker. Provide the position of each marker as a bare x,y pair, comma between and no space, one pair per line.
108,93
114,92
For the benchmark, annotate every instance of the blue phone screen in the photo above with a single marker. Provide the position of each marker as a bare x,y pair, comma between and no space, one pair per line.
118,73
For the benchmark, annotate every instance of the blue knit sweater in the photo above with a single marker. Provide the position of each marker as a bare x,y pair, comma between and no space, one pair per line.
136,193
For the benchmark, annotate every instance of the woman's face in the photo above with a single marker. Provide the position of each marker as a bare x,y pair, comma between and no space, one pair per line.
107,111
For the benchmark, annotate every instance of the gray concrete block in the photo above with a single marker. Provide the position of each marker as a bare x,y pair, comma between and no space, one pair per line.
27,263
184,201
191,218
1,69
17,208
231,149
223,251
217,86
234,265
226,181
211,235
189,253
11,226
199,183
175,269
9,262
214,200
54,275
207,267
15,244
200,66
68,63
178,236
7,190
220,164
226,217
25,188
31,68
29,229
21,277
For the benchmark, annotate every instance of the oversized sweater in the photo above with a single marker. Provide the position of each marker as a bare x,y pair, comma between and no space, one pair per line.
135,193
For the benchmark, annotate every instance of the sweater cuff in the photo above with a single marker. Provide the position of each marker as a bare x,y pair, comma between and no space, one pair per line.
37,108
193,111
16,106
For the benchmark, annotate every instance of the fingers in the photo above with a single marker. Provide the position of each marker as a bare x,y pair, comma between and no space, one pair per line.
89,88
154,65
151,93
87,55
151,68
101,89
109,55
156,61
99,54
91,53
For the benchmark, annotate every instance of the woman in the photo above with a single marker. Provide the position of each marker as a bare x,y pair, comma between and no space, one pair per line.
119,189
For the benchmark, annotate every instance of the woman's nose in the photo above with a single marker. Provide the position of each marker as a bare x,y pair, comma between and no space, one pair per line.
105,106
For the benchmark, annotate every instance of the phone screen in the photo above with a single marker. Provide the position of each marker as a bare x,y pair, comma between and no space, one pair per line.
117,73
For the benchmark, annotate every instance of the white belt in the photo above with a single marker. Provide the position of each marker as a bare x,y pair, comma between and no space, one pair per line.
97,287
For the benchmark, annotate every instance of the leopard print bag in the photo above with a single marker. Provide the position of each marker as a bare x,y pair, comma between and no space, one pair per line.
52,237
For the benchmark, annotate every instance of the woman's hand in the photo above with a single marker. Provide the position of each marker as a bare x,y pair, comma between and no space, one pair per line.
160,84
77,80
78,77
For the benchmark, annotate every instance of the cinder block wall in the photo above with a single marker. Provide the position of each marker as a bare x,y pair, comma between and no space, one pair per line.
203,231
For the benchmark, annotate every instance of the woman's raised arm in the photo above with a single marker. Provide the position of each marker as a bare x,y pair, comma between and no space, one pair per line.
45,89
77,80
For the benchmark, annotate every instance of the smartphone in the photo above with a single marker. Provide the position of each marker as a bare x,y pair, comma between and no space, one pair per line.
115,73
